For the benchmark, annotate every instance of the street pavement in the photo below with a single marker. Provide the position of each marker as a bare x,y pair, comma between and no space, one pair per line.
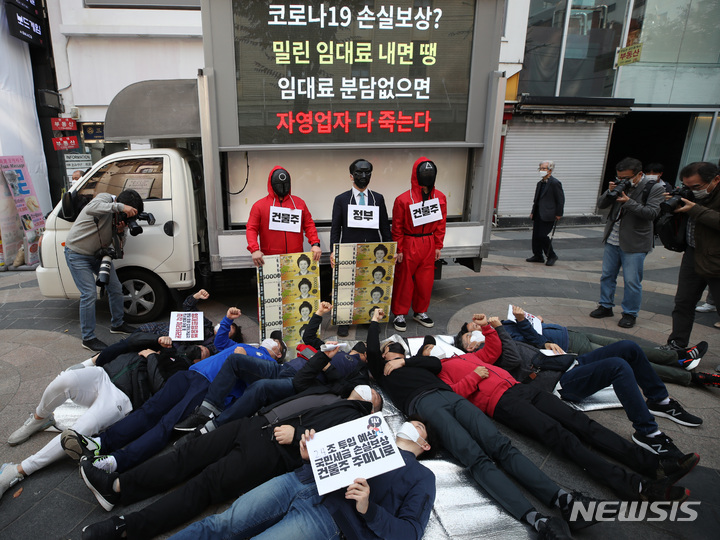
40,337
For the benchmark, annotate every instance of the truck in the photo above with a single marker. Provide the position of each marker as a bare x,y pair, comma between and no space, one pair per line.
310,87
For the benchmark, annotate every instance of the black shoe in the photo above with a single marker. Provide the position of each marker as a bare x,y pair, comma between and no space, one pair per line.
673,470
423,319
399,323
197,419
76,445
671,345
124,328
93,344
109,529
579,522
660,444
188,437
535,258
662,490
100,483
674,412
693,355
627,321
601,311
343,330
551,260
554,528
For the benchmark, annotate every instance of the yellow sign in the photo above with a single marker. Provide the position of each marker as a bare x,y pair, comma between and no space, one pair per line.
629,55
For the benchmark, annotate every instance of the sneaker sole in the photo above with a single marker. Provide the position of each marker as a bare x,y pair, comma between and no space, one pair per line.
602,315
673,478
692,365
89,348
187,429
423,323
107,505
74,449
674,418
400,328
113,331
649,448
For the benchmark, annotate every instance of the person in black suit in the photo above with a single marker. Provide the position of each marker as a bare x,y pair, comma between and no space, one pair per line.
356,231
547,209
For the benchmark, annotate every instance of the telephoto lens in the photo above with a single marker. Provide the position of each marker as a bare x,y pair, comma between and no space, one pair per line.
104,272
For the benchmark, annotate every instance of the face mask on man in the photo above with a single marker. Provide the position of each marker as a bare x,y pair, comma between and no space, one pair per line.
362,173
364,391
477,336
269,344
652,176
700,193
280,182
437,352
426,173
409,431
542,174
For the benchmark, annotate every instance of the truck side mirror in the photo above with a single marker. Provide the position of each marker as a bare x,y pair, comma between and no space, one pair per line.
67,211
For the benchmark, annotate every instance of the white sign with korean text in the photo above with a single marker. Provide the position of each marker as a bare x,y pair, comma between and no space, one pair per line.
363,217
187,326
362,448
285,219
425,212
535,321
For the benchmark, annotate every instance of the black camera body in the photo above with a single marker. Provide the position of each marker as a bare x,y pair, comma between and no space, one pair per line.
674,202
620,186
115,251
132,222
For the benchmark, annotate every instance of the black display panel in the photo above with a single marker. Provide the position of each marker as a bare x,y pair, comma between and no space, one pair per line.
327,72
24,26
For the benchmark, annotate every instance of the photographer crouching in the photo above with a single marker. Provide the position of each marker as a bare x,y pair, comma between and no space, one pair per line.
93,241
700,264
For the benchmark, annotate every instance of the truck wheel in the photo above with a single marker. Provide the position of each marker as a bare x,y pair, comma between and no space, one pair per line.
144,295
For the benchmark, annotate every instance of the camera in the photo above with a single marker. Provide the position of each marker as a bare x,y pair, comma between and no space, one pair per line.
620,186
132,223
674,201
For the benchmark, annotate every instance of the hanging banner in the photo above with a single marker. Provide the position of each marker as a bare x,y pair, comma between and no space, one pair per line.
362,281
289,294
26,205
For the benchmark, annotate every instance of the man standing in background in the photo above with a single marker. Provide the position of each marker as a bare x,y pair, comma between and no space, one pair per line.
547,209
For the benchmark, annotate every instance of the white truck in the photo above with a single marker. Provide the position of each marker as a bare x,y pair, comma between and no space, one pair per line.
258,104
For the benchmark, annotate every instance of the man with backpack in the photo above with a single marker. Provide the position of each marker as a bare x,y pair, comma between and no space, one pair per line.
628,238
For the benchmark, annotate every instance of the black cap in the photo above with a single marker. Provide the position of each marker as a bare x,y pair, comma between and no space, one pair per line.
429,340
360,347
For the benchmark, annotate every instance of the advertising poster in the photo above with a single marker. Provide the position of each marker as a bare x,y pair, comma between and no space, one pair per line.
289,293
187,326
26,204
362,281
361,448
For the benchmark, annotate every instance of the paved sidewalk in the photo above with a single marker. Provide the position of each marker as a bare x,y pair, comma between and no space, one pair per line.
40,337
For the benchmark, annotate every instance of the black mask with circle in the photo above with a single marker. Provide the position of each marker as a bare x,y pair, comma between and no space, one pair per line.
280,182
426,173
361,171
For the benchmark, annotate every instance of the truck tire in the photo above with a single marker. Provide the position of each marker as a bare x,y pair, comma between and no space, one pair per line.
145,296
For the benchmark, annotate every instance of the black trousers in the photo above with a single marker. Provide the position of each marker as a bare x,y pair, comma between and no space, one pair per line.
564,429
689,291
541,243
218,466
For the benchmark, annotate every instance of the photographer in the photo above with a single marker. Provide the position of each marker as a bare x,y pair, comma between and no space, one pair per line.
628,238
91,234
700,264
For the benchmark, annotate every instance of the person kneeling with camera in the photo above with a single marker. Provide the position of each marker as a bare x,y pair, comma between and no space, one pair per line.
90,244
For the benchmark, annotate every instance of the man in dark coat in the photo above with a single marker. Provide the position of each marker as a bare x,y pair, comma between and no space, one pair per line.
548,206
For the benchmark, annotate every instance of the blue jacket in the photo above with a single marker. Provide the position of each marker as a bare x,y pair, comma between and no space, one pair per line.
400,503
523,331
222,337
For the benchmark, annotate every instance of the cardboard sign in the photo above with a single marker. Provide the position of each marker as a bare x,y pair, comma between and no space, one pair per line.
285,219
361,448
425,212
535,321
363,217
187,326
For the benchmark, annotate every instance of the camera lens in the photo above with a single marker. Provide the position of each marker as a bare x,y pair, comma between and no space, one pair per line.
104,272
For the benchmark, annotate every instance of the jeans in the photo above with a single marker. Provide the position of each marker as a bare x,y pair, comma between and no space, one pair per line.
625,366
84,268
280,508
632,265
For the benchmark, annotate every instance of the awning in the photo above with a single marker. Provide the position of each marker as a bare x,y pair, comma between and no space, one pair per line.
154,110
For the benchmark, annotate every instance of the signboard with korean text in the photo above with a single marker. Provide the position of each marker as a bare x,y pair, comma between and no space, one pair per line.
62,124
339,72
24,25
362,281
361,448
629,55
15,174
76,162
65,143
289,294
187,326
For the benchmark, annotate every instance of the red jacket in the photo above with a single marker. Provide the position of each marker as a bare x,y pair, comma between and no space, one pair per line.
278,242
459,373
402,224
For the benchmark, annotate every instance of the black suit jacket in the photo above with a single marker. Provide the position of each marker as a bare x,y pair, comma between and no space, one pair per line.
552,201
340,232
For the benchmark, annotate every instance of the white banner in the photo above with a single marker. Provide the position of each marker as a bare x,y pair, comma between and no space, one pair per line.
425,212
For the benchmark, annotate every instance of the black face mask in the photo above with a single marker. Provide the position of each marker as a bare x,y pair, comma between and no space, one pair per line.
361,174
280,182
426,173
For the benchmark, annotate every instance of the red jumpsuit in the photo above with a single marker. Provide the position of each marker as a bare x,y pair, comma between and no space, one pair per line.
415,274
278,242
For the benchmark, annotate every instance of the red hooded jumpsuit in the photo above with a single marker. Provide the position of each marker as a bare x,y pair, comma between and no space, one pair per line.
415,274
278,242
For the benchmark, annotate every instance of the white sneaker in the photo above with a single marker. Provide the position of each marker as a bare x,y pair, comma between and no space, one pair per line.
9,476
705,308
105,463
30,427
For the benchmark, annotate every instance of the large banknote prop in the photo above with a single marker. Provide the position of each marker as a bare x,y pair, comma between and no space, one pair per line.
362,281
289,294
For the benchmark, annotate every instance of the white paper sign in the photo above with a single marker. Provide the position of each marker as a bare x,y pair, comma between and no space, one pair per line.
363,217
425,212
361,448
535,321
187,326
285,219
